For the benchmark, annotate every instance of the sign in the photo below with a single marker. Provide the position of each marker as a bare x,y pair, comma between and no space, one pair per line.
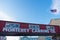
19,28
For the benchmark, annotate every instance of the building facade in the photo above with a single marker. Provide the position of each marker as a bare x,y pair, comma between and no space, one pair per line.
55,22
28,38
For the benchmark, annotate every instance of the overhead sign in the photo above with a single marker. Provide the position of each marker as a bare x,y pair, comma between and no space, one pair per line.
19,28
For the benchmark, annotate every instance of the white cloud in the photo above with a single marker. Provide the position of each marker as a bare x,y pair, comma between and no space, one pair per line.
4,16
56,5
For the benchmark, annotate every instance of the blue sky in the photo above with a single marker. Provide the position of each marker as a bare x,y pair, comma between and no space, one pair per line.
31,11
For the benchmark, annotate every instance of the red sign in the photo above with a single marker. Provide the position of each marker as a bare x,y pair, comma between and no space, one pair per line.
19,27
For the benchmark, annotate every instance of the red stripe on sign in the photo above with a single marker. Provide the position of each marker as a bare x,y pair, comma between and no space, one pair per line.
57,29
2,24
24,25
42,27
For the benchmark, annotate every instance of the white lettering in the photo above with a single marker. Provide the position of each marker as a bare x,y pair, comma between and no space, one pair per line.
23,30
33,26
51,29
40,30
11,29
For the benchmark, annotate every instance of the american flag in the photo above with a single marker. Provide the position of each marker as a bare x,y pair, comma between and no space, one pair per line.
53,10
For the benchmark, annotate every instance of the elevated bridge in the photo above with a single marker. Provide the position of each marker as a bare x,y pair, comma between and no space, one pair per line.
10,28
